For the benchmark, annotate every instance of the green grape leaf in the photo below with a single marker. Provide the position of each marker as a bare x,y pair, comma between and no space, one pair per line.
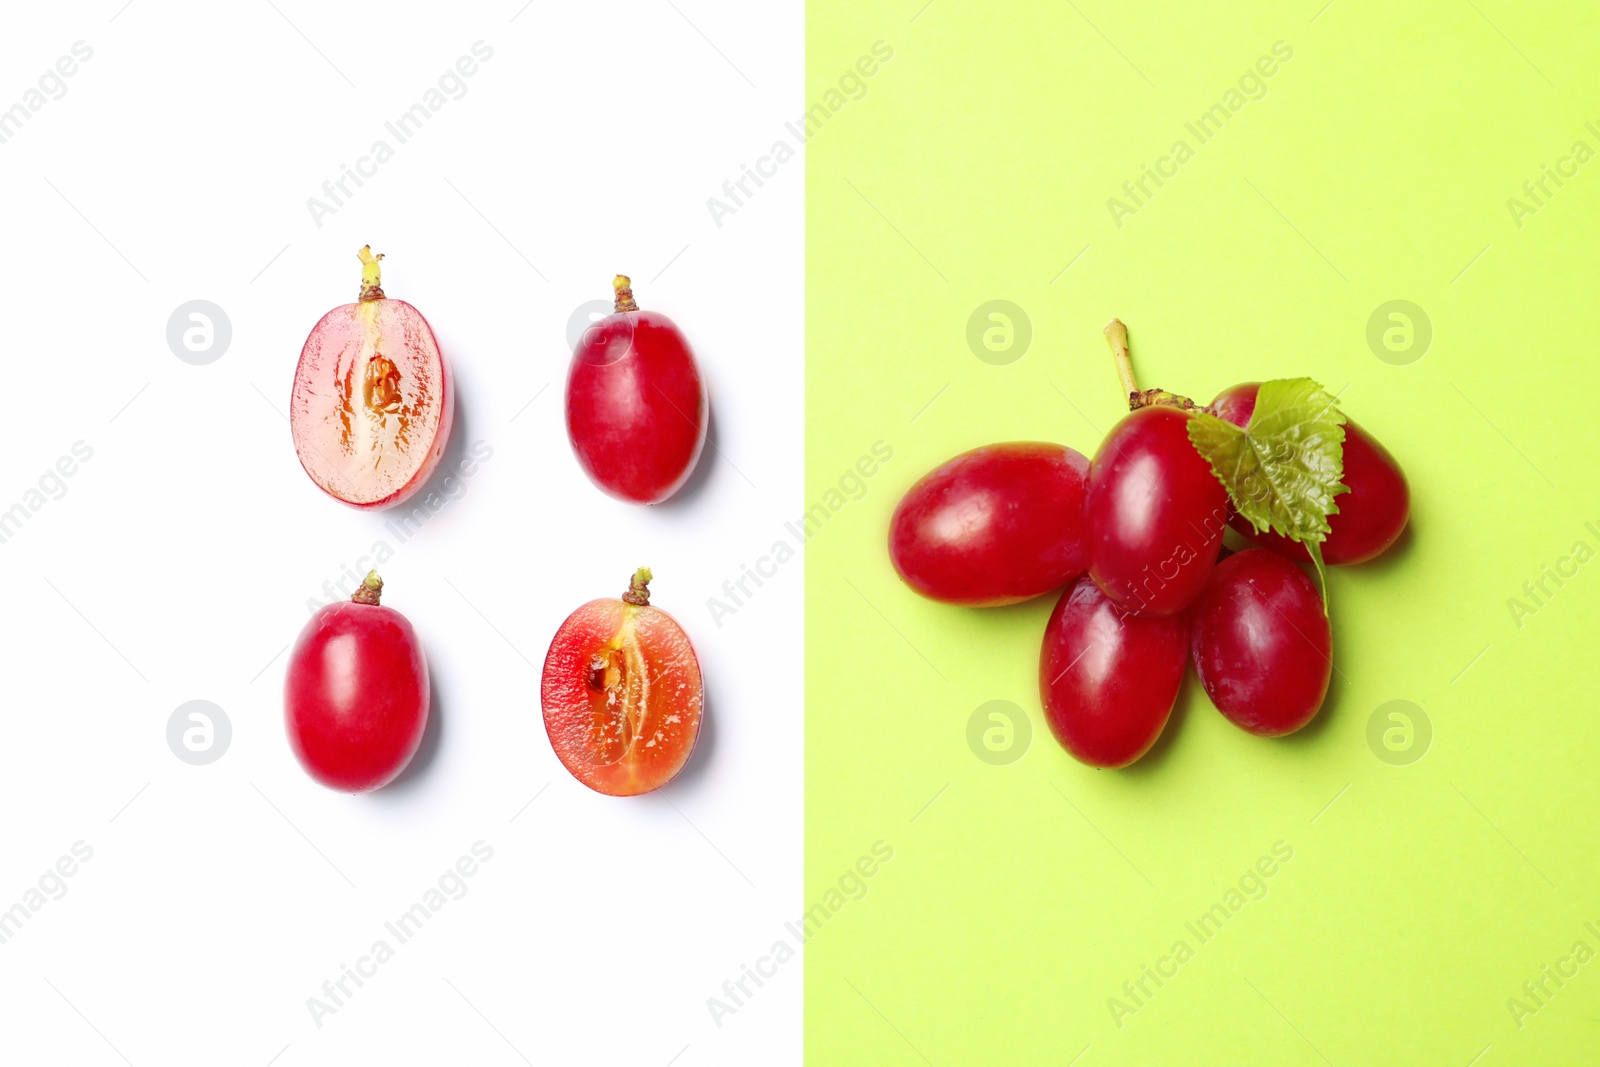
1283,470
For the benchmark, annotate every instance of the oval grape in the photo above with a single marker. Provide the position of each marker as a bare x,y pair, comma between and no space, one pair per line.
355,696
1155,512
1371,516
992,526
1108,677
1261,642
637,410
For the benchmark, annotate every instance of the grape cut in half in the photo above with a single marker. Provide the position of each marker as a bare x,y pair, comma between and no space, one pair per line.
372,402
622,693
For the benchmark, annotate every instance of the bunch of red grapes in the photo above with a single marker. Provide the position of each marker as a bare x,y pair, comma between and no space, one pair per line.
1135,536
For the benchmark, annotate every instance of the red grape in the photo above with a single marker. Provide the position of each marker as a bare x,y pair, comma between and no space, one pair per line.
355,699
636,405
1262,644
1155,513
1371,516
993,526
372,401
1107,677
622,694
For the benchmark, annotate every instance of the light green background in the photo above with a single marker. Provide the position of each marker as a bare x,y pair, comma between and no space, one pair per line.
1378,165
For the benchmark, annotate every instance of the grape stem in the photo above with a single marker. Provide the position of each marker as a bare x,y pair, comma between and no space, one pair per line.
622,285
371,274
1117,338
638,593
369,591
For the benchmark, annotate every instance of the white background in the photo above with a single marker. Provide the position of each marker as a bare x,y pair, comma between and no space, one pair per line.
179,562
